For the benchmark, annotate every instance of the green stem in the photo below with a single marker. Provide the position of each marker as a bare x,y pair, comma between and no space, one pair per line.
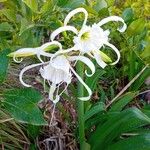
80,105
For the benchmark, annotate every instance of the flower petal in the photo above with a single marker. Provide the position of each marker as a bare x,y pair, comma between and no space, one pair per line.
98,57
42,49
16,60
85,60
75,11
82,82
51,92
62,29
105,58
63,52
45,45
24,70
114,18
116,50
24,52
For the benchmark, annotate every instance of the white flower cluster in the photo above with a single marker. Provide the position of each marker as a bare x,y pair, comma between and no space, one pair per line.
59,69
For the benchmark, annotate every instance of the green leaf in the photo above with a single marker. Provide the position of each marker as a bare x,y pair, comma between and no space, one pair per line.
22,106
136,27
86,146
33,4
100,4
3,64
138,83
10,14
123,101
25,25
126,121
94,110
5,26
3,0
70,4
146,54
138,142
128,14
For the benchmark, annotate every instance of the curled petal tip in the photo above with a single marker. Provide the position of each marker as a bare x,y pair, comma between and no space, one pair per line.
75,11
122,29
62,29
84,98
87,74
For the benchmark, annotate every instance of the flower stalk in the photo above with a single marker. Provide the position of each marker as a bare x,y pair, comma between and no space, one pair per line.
80,105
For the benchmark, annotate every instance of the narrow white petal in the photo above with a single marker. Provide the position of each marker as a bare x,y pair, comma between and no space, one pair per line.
51,92
41,50
86,61
90,55
62,29
45,45
63,52
24,52
75,11
16,60
116,50
114,18
99,59
24,70
56,99
82,82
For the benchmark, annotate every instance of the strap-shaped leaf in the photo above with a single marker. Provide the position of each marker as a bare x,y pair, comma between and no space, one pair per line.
123,101
139,142
126,121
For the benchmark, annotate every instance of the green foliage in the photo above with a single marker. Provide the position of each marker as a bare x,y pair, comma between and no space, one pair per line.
3,64
137,142
123,101
11,133
110,130
22,106
29,23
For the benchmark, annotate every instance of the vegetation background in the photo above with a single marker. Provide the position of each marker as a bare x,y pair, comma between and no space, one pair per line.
113,121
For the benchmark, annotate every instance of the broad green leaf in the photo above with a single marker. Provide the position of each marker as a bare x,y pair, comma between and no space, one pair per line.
33,4
22,106
123,101
3,64
128,14
47,6
94,110
146,54
70,4
5,26
136,27
126,121
100,4
138,142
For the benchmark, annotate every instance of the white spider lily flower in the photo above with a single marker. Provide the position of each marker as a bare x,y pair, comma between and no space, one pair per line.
58,71
25,52
90,39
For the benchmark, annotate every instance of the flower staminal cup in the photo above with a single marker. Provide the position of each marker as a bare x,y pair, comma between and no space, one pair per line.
90,39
